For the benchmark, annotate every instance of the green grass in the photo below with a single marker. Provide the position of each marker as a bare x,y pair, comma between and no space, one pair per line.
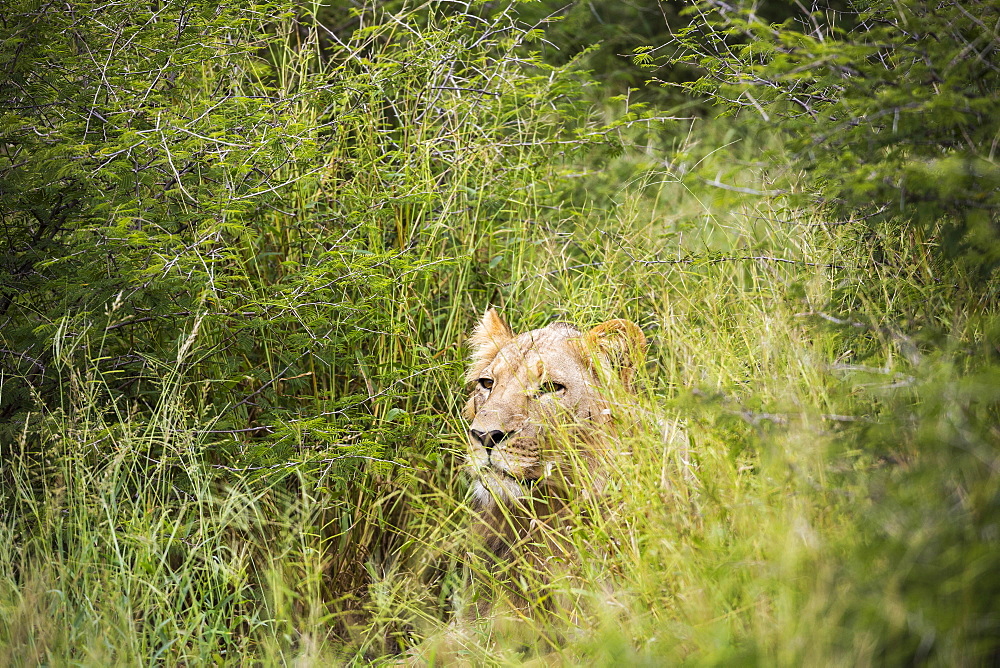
809,474
723,544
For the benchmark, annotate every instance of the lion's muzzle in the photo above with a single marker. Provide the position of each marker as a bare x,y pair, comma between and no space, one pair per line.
489,439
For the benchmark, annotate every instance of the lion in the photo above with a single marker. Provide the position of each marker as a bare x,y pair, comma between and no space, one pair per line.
541,420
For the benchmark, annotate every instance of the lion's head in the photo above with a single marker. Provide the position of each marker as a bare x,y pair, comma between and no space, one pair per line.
537,393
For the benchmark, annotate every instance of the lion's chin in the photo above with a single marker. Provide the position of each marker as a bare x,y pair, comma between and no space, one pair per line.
493,487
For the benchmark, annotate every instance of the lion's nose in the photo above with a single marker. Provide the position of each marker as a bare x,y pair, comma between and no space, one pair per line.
489,439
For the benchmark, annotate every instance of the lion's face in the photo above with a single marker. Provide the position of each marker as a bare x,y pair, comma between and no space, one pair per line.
536,394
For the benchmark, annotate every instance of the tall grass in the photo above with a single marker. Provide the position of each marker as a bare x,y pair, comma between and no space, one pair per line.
808,381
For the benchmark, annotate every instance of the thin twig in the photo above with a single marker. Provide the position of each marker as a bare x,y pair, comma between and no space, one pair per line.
288,465
37,364
690,260
687,260
468,90
745,191
904,343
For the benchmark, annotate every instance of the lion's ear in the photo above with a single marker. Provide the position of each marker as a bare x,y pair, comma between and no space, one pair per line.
620,345
487,339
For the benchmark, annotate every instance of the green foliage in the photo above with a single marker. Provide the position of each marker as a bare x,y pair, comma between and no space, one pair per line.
599,37
890,106
605,36
242,248
160,189
208,200
922,578
889,110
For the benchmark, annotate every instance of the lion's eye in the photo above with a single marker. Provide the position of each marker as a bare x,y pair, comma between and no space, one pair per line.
550,386
486,383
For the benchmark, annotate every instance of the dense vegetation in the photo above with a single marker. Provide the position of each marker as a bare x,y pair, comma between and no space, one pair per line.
242,248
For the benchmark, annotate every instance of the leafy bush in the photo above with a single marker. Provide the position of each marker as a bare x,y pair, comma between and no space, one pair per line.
160,187
890,106
204,204
890,110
